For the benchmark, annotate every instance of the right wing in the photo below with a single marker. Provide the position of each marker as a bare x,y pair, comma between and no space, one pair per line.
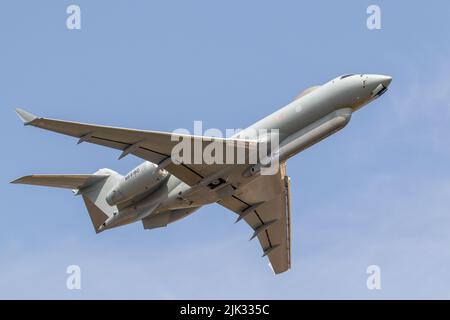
152,146
265,205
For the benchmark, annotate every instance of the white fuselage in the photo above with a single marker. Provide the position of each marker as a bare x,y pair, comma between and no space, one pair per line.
311,117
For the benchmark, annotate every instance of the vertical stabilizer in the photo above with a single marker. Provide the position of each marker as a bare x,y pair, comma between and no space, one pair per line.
94,197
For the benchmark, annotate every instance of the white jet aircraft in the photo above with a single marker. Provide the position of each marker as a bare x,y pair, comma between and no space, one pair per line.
161,190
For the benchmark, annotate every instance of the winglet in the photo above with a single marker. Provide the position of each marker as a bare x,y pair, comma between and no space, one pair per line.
20,180
25,116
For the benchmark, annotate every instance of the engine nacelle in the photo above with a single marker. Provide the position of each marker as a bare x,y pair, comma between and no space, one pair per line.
144,179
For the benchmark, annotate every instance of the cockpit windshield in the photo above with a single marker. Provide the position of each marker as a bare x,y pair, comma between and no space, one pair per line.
346,76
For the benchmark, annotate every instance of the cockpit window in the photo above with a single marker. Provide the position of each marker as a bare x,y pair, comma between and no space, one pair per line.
346,76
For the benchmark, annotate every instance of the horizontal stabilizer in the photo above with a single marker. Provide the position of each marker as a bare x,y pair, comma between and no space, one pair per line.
93,188
69,181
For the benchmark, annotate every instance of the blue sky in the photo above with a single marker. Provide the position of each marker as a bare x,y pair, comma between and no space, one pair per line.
377,192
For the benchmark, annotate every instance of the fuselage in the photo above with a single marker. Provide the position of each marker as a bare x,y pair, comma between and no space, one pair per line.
314,115
348,91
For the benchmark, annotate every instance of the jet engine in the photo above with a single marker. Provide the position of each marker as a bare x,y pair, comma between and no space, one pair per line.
144,179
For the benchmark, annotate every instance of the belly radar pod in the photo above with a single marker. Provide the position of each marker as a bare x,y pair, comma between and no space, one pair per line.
163,190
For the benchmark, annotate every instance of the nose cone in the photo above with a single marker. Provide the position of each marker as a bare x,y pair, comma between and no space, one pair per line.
374,80
385,80
378,84
377,79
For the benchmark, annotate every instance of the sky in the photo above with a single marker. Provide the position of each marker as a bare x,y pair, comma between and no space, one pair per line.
375,193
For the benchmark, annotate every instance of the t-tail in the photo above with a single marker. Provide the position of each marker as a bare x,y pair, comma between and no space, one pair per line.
94,189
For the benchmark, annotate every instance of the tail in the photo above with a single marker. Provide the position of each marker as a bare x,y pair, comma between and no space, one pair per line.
93,188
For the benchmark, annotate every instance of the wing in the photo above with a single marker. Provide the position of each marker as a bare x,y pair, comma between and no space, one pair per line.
153,146
265,205
262,203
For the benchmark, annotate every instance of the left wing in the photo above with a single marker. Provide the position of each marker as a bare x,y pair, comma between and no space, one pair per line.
153,146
